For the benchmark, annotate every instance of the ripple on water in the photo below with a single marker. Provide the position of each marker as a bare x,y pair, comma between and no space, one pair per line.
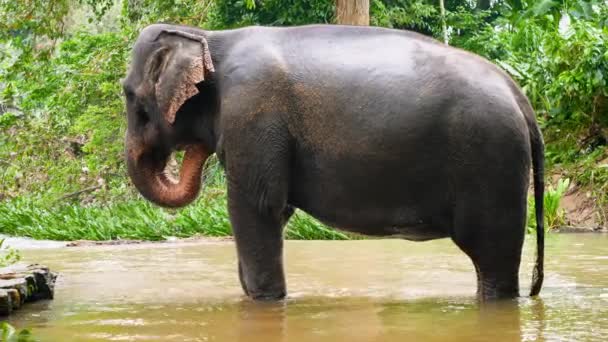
339,291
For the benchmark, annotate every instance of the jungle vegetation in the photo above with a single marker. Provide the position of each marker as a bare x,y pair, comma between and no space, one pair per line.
62,123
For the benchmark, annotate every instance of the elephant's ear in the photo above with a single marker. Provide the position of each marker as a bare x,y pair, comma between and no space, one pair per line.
176,68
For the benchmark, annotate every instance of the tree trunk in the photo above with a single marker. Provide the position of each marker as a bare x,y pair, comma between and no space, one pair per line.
483,4
444,26
352,12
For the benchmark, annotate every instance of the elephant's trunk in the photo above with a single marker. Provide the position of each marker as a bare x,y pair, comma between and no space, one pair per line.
147,174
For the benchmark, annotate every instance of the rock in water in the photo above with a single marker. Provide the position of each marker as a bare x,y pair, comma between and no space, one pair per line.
22,283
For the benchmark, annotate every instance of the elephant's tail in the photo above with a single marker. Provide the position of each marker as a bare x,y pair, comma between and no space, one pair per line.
538,168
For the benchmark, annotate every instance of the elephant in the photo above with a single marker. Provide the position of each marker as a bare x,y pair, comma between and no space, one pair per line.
376,131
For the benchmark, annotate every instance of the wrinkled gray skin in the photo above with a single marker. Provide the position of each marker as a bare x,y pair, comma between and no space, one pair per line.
370,130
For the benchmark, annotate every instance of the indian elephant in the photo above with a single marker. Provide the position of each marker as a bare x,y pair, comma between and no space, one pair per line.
375,131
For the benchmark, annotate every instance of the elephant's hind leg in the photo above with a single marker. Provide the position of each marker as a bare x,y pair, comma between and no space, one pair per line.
497,276
494,244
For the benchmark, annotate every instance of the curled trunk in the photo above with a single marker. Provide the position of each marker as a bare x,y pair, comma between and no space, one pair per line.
147,173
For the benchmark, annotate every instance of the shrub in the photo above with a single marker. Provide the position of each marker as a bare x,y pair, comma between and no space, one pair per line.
554,214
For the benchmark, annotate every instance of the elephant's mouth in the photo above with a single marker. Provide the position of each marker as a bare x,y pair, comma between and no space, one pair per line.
147,172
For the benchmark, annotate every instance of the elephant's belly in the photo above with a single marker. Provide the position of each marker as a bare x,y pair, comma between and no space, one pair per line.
413,232
410,223
422,232
379,195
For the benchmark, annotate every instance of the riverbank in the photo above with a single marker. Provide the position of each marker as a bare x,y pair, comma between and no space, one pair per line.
139,220
20,243
576,210
582,211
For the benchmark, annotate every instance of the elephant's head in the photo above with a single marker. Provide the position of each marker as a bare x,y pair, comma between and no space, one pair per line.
166,67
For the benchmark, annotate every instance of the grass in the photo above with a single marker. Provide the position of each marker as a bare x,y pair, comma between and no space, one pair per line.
138,219
554,214
303,227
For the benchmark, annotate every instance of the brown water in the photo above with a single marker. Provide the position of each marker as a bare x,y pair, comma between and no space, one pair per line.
379,290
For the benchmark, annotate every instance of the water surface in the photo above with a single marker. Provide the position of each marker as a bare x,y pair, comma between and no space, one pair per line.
378,290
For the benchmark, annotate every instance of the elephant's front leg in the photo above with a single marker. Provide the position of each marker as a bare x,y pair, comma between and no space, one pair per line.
259,241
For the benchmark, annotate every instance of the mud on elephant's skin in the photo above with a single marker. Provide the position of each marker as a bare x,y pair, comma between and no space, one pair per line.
375,131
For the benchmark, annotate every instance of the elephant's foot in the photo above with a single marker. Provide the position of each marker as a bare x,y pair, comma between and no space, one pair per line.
268,296
263,289
492,287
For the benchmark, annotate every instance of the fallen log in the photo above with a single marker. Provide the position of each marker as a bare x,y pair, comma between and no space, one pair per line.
22,283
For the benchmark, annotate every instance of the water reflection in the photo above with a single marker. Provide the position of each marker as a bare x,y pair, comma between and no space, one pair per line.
534,324
340,291
262,321
503,320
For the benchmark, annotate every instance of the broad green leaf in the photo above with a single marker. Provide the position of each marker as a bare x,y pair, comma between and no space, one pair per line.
543,6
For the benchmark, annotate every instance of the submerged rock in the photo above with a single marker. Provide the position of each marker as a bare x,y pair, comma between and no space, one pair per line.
22,283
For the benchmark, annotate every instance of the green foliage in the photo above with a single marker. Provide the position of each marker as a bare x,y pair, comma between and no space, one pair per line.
9,334
229,13
122,220
62,113
99,7
558,51
303,227
136,14
7,120
20,19
138,220
554,215
72,131
8,255
566,77
406,14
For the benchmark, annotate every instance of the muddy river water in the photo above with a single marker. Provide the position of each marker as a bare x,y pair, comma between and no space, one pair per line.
378,290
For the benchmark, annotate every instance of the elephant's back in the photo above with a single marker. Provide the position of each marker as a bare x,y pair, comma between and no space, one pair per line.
379,95
417,96
364,91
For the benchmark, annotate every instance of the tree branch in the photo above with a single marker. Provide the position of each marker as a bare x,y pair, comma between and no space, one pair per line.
79,192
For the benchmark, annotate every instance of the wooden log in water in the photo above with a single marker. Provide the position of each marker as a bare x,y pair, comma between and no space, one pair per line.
21,283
